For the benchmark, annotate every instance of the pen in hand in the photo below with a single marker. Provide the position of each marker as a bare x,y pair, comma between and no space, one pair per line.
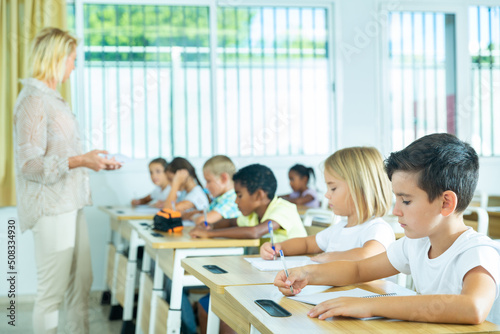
282,257
173,205
271,232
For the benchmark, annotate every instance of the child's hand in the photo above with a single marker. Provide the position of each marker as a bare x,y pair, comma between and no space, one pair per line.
135,202
199,232
297,278
343,306
267,252
180,177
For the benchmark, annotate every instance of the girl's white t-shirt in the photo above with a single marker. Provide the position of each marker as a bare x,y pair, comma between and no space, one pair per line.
160,195
338,238
196,196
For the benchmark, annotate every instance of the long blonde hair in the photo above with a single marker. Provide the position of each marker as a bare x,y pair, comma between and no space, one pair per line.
49,51
362,168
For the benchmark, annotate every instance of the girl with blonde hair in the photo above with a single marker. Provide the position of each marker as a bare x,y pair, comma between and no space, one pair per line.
360,192
52,184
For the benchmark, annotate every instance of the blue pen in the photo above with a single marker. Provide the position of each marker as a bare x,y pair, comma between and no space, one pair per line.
205,215
271,232
282,257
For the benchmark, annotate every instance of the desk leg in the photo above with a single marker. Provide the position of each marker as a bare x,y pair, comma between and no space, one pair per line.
116,310
106,295
157,292
146,269
213,322
253,330
128,306
174,312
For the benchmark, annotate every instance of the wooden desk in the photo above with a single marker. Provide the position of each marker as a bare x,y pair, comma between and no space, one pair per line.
121,269
241,298
168,251
239,272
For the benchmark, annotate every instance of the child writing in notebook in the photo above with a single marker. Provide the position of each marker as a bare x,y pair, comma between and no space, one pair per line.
255,188
218,172
299,176
359,191
456,270
186,193
157,169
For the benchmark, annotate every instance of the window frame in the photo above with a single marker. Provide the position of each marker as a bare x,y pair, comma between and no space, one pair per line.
463,83
334,103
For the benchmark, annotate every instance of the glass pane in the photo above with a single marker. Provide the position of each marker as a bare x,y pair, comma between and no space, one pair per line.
273,81
147,80
422,75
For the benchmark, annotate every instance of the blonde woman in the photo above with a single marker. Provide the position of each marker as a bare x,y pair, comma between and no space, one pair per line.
360,192
53,184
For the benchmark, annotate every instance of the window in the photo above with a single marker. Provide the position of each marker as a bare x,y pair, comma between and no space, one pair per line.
152,84
484,48
422,75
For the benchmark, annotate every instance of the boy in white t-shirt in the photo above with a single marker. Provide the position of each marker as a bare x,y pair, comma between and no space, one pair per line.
455,269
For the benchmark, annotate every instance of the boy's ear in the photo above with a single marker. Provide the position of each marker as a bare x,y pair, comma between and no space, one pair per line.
224,177
261,195
449,203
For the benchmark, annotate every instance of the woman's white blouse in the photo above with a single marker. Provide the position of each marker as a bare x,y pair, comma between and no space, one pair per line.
45,135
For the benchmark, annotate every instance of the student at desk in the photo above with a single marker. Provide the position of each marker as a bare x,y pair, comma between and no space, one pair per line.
186,192
218,172
456,270
157,171
255,187
358,190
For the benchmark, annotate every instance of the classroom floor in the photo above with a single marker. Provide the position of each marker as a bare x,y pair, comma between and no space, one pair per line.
98,316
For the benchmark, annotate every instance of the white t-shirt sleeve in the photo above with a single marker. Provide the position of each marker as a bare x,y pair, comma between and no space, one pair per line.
379,231
397,252
197,197
155,194
484,256
323,237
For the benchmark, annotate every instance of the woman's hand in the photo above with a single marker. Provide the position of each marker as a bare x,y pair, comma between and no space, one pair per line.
135,202
94,161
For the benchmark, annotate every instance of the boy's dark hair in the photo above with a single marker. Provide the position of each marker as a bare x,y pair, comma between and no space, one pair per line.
443,162
255,177
160,161
303,171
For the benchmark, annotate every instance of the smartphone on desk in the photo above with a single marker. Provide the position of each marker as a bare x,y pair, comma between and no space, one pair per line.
272,308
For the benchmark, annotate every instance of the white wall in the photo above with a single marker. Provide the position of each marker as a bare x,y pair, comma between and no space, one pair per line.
360,123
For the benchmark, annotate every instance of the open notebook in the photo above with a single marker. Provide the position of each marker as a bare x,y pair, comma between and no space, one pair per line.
316,298
277,265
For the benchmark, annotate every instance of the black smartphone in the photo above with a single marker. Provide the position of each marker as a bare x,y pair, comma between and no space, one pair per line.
273,309
214,269
120,211
154,234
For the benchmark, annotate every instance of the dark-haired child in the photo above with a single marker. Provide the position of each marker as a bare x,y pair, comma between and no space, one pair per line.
456,270
157,171
299,176
255,188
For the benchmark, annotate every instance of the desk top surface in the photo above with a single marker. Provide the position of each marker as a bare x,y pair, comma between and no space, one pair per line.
183,239
242,299
239,272
126,212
